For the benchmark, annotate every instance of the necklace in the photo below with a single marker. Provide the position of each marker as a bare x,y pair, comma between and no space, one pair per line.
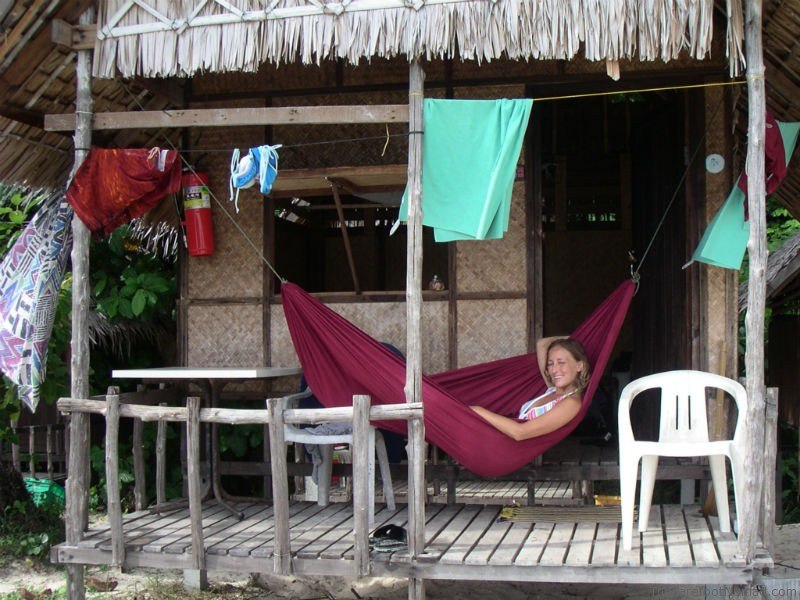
567,395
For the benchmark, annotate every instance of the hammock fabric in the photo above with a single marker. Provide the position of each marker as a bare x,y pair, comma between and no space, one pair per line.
339,360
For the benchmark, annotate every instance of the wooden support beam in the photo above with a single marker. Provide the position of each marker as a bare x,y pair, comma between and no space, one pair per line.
232,117
756,286
768,531
113,500
195,490
413,387
362,451
282,555
77,509
161,460
24,116
74,37
345,237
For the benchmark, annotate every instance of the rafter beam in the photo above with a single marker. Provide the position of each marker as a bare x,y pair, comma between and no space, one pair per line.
74,37
232,117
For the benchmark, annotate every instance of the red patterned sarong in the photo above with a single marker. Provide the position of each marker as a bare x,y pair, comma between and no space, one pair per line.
112,187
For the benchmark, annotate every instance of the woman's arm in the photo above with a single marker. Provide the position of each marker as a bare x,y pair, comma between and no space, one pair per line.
542,344
561,414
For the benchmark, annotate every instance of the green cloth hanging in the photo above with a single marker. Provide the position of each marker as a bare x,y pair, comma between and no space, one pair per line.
469,161
725,241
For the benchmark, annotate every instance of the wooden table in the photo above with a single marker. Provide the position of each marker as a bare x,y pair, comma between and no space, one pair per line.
211,380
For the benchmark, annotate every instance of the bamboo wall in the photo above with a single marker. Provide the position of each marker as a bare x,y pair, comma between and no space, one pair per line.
228,317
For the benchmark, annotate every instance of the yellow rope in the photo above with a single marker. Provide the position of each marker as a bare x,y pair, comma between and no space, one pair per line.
658,89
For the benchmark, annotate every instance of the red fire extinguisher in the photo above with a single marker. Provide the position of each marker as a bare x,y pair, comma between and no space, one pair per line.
197,214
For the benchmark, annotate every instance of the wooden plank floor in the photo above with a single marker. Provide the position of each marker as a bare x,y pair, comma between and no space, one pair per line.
463,541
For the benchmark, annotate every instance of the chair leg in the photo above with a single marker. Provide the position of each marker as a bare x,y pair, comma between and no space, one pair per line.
737,470
386,473
628,467
718,478
649,467
324,475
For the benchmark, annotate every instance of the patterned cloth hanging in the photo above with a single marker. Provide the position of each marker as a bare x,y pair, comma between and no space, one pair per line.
113,187
30,279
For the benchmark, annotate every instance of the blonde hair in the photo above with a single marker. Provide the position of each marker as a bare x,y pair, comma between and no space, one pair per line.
575,348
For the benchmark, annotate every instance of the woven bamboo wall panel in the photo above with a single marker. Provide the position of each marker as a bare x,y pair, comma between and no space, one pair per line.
225,335
501,68
386,322
319,146
387,71
496,265
270,79
492,92
234,270
490,329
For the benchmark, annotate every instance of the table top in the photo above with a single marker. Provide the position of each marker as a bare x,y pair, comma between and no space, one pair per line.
167,373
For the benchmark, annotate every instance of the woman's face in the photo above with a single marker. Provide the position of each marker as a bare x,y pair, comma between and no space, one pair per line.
563,369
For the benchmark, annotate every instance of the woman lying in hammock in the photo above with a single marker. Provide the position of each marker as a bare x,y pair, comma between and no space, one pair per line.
565,368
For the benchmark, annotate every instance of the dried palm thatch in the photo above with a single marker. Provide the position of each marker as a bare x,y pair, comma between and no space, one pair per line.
782,275
169,37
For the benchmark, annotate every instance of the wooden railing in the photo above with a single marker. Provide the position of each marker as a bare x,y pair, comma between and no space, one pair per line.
274,416
48,462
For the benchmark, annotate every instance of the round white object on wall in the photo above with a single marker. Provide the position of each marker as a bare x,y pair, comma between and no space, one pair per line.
715,163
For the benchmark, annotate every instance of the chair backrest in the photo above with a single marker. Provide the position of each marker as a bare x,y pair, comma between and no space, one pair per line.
683,403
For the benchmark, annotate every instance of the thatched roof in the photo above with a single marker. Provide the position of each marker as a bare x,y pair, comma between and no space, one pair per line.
158,38
783,275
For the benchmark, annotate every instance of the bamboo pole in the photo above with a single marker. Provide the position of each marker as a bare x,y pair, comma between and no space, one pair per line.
77,488
361,483
282,558
756,287
114,503
413,387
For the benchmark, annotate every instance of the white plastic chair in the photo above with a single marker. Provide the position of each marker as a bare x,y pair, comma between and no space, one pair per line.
326,443
683,432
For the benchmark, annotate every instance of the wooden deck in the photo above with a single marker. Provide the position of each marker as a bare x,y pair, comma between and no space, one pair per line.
463,541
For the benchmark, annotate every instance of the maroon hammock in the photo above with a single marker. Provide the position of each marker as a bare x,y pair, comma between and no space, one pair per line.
339,360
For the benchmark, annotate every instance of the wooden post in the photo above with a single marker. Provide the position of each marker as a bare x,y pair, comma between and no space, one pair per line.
49,451
770,463
15,457
139,484
345,237
77,485
196,577
161,461
413,387
32,450
282,558
756,286
114,503
361,474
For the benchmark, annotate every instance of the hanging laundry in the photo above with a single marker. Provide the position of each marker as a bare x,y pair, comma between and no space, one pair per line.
114,186
30,279
775,163
725,240
259,163
469,161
